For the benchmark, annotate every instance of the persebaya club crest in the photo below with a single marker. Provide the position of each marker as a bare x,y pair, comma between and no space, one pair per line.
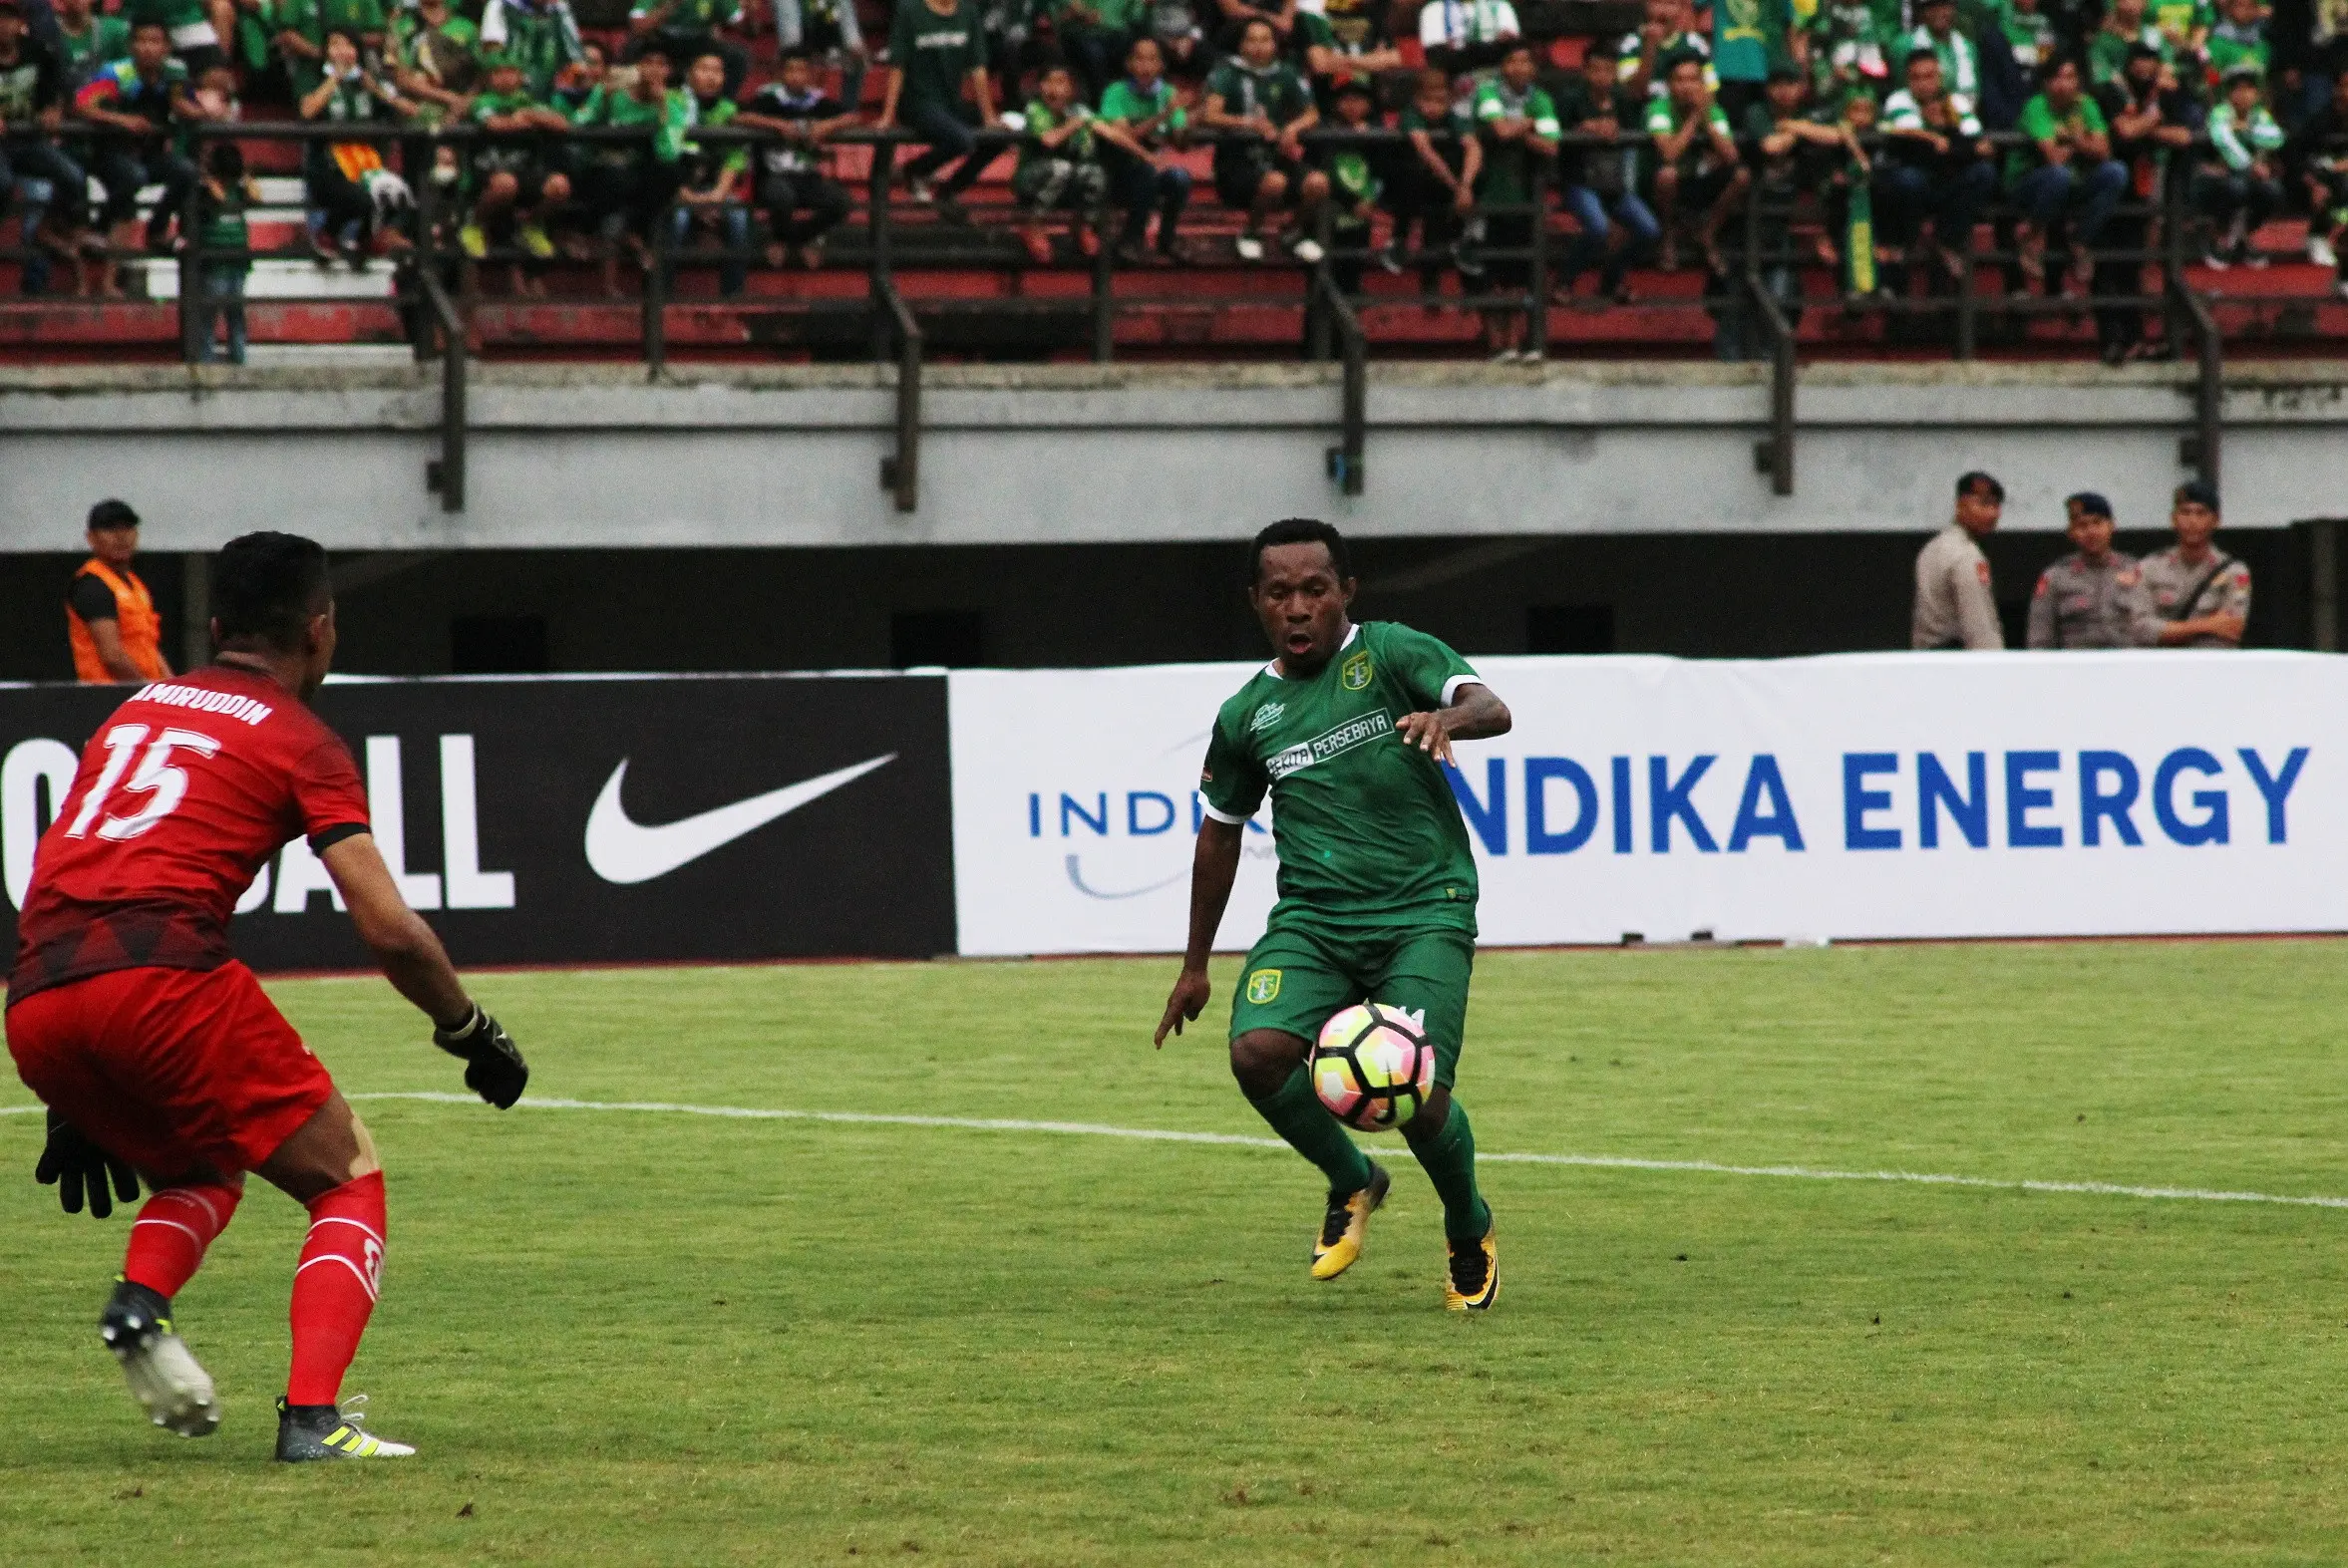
1263,986
1354,674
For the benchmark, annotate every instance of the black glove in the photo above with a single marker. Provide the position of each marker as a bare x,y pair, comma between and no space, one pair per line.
78,1168
494,1069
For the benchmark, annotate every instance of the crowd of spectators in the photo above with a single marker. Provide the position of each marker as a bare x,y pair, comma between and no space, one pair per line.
1881,118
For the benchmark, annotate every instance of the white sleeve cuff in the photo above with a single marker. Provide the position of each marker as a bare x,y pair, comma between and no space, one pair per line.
1451,687
1221,816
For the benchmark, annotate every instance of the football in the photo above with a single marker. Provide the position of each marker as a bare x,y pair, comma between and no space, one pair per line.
1372,1066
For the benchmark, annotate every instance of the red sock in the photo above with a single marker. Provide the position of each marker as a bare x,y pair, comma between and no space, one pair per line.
334,1288
169,1238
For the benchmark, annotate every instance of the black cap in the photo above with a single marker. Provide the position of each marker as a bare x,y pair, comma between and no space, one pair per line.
2198,493
1976,480
109,513
2088,502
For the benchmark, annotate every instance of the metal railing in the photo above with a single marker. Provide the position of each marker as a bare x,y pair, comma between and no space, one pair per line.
432,310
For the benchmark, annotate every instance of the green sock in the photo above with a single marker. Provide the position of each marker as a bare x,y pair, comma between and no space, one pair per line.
1449,1160
1298,1115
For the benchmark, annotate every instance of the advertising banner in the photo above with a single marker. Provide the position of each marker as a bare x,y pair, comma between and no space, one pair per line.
1840,797
591,820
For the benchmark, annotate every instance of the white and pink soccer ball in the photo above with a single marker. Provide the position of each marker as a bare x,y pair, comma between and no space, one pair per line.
1372,1066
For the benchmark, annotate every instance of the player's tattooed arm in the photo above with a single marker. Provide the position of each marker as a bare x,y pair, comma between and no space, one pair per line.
1475,714
1214,865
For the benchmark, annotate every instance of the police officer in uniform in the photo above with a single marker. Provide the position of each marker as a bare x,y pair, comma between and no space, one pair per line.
2094,597
2202,593
1954,607
109,614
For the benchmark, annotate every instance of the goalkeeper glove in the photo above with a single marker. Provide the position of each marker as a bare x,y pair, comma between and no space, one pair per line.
79,1169
494,1069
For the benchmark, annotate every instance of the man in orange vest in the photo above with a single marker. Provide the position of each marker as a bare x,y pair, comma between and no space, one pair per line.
109,615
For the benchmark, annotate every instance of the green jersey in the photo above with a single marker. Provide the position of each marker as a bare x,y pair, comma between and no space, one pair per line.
1368,831
2040,123
542,37
2232,44
1126,103
1507,165
670,116
106,39
1076,149
2107,52
937,53
1276,90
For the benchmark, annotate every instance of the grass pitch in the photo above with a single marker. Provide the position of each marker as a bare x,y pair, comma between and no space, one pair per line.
655,1338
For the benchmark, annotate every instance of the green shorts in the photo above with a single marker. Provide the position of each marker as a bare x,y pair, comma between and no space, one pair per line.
1300,974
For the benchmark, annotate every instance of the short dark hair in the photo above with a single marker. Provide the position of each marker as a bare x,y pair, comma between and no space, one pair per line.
2198,493
266,586
2139,50
112,513
1974,480
143,25
2088,501
1784,72
1915,56
1680,57
1300,530
225,163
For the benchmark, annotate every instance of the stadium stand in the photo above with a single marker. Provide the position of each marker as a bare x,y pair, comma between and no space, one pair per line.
350,227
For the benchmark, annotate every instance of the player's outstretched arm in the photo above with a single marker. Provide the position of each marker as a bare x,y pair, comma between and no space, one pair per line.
1475,714
1214,865
418,967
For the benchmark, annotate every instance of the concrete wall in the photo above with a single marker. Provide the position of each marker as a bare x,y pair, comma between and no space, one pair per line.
1089,604
595,458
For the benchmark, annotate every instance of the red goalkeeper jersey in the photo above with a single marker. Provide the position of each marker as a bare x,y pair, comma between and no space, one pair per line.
182,797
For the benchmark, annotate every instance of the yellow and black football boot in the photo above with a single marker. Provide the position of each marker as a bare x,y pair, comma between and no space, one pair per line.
1339,1244
1471,1277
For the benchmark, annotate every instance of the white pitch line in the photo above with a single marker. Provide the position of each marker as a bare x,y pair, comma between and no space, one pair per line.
1708,1167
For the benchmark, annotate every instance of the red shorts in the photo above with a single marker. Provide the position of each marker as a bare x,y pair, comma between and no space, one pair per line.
173,1070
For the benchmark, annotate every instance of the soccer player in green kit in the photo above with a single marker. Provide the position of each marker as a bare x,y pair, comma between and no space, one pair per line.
1346,728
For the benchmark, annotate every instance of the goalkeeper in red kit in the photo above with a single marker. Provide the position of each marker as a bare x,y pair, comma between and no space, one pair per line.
156,1053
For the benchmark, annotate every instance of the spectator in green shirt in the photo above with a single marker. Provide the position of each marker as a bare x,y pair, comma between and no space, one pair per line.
1434,183
1346,41
353,193
437,57
222,198
1059,166
1847,52
2067,174
2185,24
626,186
2240,38
2240,185
716,180
1697,165
200,29
685,30
2124,26
1262,108
1748,38
1960,59
520,184
543,35
937,49
1143,105
90,40
1516,122
1355,185
1092,36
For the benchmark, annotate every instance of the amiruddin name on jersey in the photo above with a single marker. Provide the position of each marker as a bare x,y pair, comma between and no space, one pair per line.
1322,746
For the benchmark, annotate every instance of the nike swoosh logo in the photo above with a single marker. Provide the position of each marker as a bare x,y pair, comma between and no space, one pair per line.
625,852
